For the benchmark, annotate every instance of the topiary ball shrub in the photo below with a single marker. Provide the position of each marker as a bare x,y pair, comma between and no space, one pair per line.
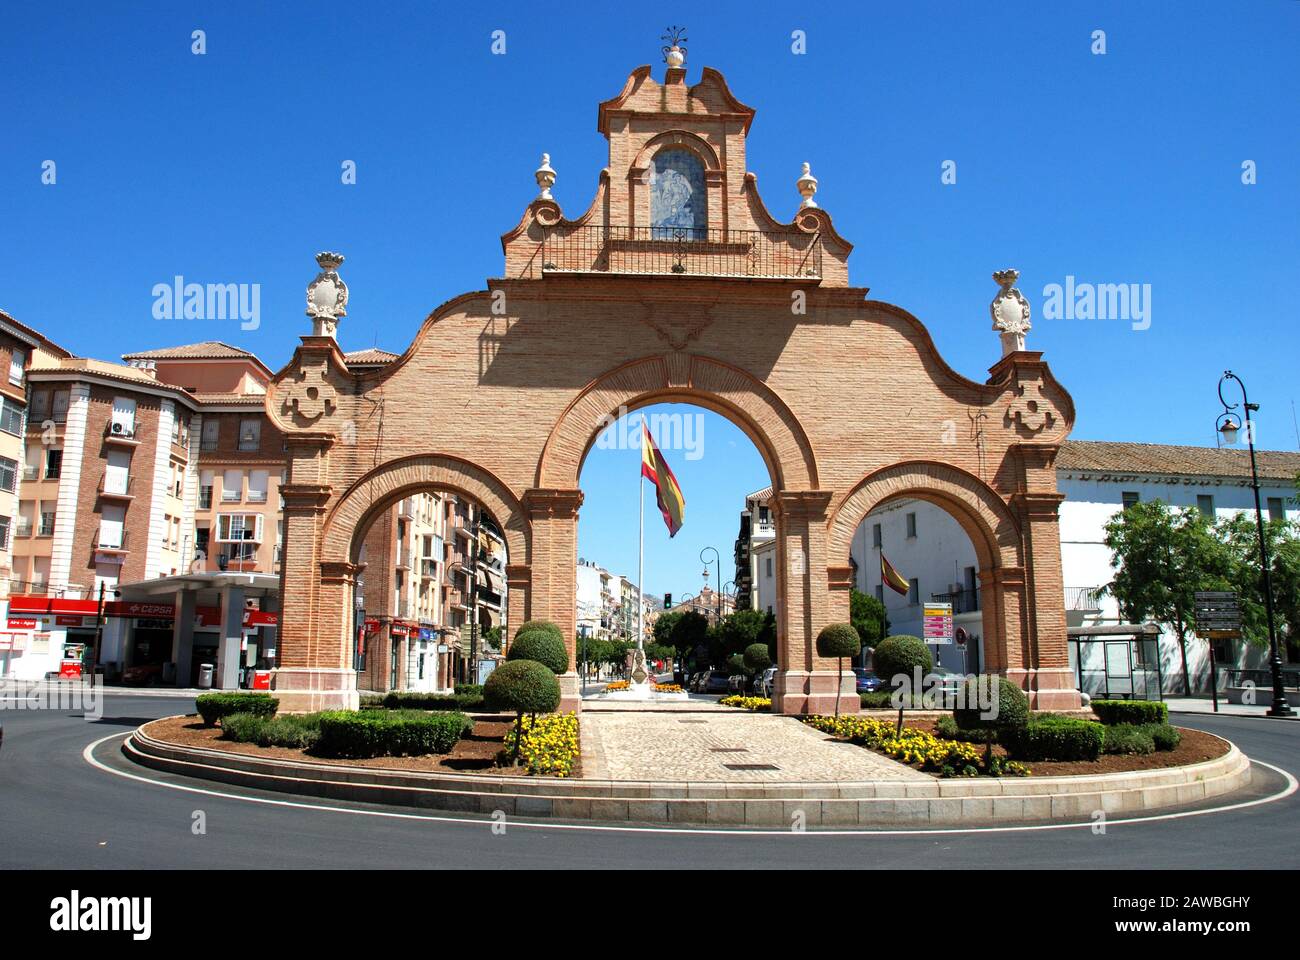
522,686
756,657
542,646
546,626
990,702
900,655
838,640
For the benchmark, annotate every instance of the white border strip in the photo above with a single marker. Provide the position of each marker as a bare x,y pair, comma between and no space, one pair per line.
1291,787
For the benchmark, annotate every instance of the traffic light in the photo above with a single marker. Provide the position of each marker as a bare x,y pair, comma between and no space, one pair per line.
668,601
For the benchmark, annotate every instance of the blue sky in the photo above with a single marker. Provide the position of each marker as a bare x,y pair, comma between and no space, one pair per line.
1119,168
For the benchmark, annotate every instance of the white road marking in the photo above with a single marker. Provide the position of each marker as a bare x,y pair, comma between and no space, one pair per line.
1291,786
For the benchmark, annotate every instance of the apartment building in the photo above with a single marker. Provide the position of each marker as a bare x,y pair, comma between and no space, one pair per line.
755,554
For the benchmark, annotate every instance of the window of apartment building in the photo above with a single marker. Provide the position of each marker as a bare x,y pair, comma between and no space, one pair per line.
1276,508
11,417
8,474
911,525
46,528
211,434
38,405
4,533
250,434
232,486
206,479
914,591
875,535
17,360
53,463
111,523
117,472
233,527
201,535
26,510
123,422
1205,504
59,406
972,580
257,485
243,552
880,592
769,566
1129,497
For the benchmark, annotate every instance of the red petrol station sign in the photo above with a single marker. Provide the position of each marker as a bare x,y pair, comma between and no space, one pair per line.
68,613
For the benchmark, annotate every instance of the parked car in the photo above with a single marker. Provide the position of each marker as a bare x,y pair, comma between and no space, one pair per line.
868,682
765,682
695,685
717,681
736,683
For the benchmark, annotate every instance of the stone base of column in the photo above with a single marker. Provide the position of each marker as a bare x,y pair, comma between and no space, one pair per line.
802,692
570,693
1049,688
308,689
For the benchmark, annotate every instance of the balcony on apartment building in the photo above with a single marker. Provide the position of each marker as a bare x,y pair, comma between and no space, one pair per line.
406,508
682,251
403,557
112,540
205,498
962,600
23,527
428,569
122,431
1083,599
45,528
114,486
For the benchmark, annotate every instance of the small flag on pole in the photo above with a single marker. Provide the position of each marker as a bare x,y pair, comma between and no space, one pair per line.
655,469
892,578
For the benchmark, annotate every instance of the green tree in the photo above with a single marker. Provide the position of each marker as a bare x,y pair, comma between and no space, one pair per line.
1162,556
740,630
664,624
1241,536
867,614
838,640
690,632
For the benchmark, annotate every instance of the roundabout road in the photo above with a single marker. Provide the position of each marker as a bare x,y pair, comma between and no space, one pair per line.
63,806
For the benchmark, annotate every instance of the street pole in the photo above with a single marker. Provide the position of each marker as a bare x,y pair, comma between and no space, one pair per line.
1280,707
99,631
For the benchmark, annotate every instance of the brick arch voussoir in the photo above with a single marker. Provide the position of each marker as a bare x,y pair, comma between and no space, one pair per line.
980,510
713,384
384,485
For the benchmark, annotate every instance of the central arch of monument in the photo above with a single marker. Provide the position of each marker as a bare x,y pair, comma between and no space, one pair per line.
675,284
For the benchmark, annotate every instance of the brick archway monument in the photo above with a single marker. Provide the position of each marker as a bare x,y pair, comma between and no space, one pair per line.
675,284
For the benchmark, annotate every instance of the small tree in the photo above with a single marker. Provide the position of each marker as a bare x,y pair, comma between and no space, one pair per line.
900,656
1010,709
838,640
524,686
757,659
537,643
867,614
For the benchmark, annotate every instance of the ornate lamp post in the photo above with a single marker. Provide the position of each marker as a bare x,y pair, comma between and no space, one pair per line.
717,562
1228,426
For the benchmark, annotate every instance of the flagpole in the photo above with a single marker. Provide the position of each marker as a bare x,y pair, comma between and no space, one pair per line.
640,553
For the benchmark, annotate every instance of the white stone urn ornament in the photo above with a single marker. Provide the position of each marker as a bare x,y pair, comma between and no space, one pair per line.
807,187
675,52
545,178
327,295
1010,311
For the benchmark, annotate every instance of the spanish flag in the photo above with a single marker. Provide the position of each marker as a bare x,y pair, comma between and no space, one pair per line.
892,578
655,468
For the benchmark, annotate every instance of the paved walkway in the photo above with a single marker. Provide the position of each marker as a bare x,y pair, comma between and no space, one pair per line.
721,743
1226,709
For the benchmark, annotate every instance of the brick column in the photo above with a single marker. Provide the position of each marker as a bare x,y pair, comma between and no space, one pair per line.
805,682
518,588
1002,592
1047,675
553,514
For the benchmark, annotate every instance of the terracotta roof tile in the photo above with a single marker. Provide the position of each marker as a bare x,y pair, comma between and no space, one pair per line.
207,350
371,355
1158,458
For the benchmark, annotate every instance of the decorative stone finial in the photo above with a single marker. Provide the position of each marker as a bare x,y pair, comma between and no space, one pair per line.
807,187
327,296
675,52
1010,311
545,178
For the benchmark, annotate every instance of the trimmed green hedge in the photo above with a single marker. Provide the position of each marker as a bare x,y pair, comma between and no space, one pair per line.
1165,736
877,700
946,728
389,733
1129,738
297,731
1052,737
414,700
213,707
469,689
1111,712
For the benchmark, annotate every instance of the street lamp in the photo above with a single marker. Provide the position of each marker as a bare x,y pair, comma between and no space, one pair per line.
1228,426
717,561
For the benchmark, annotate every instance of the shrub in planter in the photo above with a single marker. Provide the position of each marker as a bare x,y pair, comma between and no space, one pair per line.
213,707
546,626
878,700
901,654
946,729
411,700
1051,737
296,731
396,733
469,689
1164,736
839,640
522,686
1112,712
542,646
1128,738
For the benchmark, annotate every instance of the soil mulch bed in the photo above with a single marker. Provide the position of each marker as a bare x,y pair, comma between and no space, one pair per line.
1195,747
474,753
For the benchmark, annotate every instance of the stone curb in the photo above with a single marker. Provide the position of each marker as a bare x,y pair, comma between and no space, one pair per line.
867,803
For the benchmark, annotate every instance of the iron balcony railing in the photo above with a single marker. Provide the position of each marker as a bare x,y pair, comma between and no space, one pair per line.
683,251
1083,598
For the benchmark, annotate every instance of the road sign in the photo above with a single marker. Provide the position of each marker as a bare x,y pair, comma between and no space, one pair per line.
1218,617
937,623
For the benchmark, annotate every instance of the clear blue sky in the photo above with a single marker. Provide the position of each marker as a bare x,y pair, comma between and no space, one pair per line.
1122,168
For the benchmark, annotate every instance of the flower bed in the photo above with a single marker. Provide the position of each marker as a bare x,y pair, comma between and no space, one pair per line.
666,687
916,748
548,745
752,704
617,685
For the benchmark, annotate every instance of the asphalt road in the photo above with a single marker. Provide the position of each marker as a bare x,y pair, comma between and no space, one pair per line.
59,811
